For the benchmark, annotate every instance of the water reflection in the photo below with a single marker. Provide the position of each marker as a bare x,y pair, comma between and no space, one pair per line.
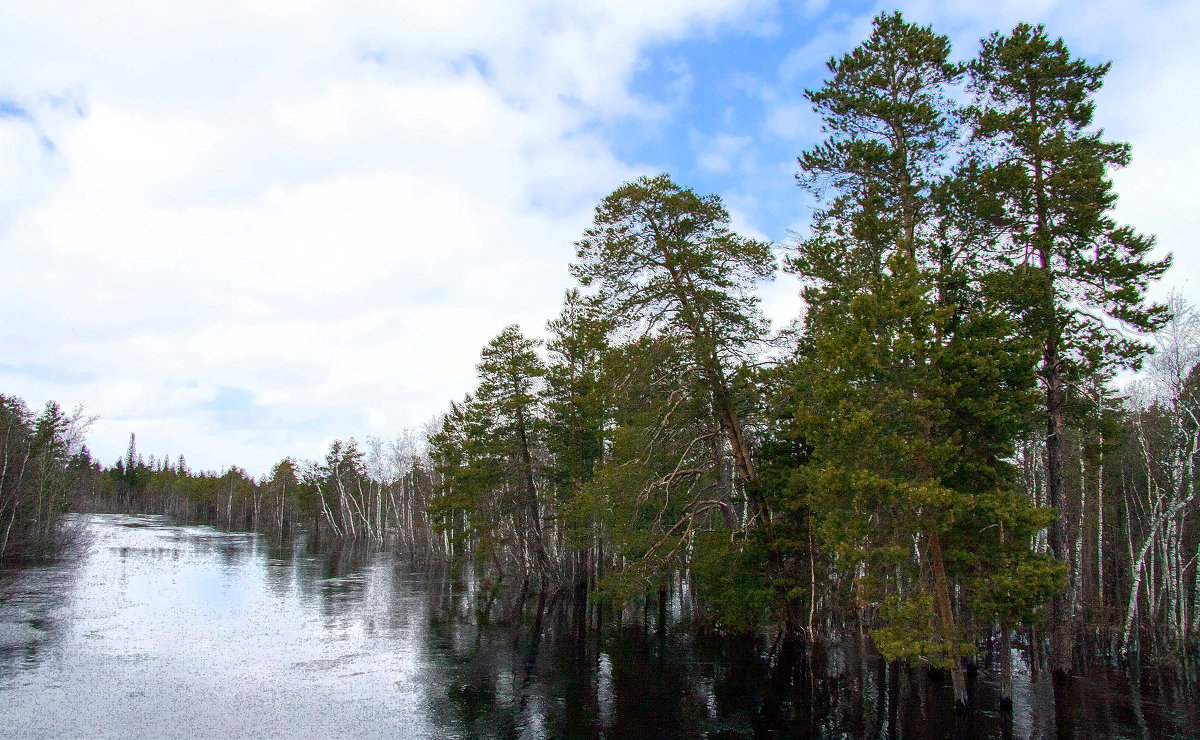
162,630
170,631
33,620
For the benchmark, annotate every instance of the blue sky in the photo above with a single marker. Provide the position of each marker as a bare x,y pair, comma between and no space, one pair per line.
244,229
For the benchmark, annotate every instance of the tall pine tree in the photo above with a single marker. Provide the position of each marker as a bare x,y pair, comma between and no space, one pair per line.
912,387
664,260
1079,271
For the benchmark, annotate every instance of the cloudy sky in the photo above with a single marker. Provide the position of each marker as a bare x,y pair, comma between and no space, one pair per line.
241,230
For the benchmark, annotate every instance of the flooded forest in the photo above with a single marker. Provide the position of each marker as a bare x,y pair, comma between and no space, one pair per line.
963,479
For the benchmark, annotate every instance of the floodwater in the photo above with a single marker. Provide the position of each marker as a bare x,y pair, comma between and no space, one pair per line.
162,630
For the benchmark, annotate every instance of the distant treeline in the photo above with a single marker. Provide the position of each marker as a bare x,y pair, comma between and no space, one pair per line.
381,494
44,469
935,454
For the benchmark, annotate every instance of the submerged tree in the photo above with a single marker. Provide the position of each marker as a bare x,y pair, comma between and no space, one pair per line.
486,500
1079,269
458,507
577,416
913,386
284,493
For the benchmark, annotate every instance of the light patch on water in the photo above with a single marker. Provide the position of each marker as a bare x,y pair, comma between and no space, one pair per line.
604,688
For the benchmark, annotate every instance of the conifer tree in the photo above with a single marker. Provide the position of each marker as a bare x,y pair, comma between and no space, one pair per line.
510,378
891,126
912,389
574,392
1078,268
461,508
664,260
577,416
656,489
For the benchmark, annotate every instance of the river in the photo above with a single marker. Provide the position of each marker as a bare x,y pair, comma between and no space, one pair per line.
155,629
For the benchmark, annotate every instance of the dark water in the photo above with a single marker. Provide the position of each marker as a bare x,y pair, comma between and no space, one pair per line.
162,630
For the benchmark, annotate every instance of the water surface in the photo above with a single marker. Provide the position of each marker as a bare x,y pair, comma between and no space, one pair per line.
163,630
172,631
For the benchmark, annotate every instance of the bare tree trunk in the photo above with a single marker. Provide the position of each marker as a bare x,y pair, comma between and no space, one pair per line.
941,597
1006,668
329,517
1060,632
1077,555
1196,590
1100,527
7,530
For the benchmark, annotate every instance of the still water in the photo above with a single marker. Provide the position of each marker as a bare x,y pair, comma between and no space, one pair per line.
163,630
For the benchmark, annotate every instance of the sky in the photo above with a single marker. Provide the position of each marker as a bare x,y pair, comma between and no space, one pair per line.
241,230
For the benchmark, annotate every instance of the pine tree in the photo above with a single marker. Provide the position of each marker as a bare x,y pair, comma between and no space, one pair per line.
510,378
891,126
1078,268
577,416
574,391
663,260
913,381
657,487
459,507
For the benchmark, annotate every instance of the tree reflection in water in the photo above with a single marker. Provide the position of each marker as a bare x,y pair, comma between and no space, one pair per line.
178,631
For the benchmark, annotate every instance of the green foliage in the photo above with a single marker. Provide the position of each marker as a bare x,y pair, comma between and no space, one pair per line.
656,486
575,400
466,475
665,266
891,122
1050,177
661,256
913,381
510,377
484,456
961,253
43,468
730,580
914,634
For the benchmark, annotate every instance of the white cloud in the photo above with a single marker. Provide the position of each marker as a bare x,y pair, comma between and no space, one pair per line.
329,207
721,153
326,208
790,120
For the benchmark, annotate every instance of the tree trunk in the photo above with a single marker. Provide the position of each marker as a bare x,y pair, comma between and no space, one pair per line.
1006,669
710,364
1061,658
1100,527
531,502
941,597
